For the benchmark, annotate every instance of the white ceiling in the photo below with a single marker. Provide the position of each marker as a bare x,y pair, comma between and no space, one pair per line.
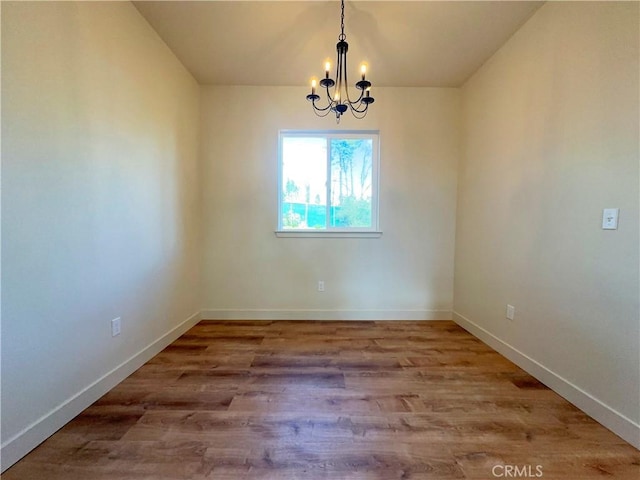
405,43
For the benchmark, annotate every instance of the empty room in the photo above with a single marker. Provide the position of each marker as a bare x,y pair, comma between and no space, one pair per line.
364,240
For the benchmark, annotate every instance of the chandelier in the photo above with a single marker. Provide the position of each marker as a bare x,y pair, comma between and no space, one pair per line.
338,100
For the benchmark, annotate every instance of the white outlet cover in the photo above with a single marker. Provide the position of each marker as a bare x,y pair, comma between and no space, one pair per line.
511,312
610,218
115,327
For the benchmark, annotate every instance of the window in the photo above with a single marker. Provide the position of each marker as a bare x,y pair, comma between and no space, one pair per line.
328,183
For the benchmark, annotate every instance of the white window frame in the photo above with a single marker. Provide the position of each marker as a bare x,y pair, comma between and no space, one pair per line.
342,232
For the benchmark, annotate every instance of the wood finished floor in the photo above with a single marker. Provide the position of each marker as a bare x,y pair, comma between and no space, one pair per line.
329,400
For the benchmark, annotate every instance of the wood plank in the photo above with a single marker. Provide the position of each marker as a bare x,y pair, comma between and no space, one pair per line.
328,400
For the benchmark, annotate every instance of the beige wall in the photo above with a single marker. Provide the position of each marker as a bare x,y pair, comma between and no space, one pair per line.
550,132
100,205
248,272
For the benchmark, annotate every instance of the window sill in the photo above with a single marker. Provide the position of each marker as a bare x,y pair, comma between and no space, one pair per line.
325,234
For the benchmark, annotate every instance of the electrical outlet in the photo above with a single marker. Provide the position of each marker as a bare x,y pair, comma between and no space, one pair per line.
511,312
610,218
321,285
115,327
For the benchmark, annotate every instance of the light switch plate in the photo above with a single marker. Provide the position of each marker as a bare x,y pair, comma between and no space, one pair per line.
116,327
610,218
511,312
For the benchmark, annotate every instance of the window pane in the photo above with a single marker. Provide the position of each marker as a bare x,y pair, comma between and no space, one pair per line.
351,183
304,182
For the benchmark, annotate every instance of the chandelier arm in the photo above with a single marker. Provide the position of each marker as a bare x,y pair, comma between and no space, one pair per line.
359,100
339,74
354,107
331,103
329,106
360,117
325,110
321,109
346,80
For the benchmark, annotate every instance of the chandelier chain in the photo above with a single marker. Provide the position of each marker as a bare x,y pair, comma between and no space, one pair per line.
342,36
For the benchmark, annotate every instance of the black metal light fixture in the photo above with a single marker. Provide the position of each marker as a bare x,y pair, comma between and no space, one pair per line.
338,99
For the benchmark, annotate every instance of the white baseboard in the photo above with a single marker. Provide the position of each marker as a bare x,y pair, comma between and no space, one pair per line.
292,314
33,435
622,426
